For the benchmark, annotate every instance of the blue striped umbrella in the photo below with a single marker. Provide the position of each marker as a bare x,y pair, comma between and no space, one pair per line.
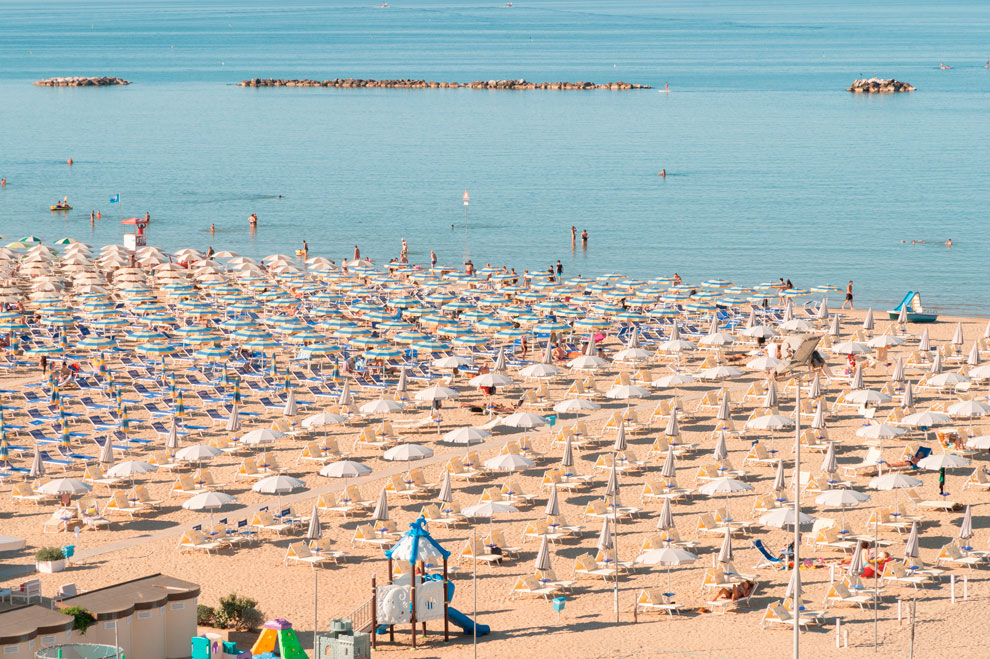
65,441
430,345
383,353
180,409
237,390
124,423
213,353
473,340
156,349
367,342
511,333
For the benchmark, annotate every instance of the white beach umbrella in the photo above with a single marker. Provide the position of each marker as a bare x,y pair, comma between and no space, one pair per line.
211,500
322,419
925,419
725,551
668,556
770,422
673,380
724,485
290,408
867,397
381,406
278,484
345,469
509,462
435,393
261,436
880,431
937,461
575,405
850,348
542,563
784,518
626,392
130,469
966,526
488,509
380,513
60,486
969,409
467,435
524,420
407,452
720,373
197,453
911,547
490,380
764,363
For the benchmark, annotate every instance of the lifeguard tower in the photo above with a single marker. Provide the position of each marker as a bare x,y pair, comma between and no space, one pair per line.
137,238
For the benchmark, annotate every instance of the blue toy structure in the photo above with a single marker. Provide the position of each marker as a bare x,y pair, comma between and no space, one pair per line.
418,548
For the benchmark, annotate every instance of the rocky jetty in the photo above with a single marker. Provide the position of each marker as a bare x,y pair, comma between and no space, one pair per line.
430,84
78,81
879,86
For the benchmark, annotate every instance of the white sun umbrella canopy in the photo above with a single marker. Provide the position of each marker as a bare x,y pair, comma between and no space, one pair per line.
765,363
843,498
197,453
925,419
345,469
894,481
937,461
850,348
668,556
880,431
631,355
488,509
575,405
525,420
435,393
467,435
278,484
60,486
724,485
261,436
130,469
540,370
381,406
209,501
760,332
784,518
969,409
626,391
867,397
673,380
407,453
453,361
492,379
770,422
720,373
947,379
885,341
509,462
322,419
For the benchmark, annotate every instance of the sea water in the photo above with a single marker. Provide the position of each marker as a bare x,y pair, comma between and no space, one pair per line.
773,169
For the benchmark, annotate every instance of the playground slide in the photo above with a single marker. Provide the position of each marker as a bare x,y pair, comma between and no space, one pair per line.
459,619
906,300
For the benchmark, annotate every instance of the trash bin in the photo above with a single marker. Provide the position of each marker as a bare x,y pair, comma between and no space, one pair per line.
551,419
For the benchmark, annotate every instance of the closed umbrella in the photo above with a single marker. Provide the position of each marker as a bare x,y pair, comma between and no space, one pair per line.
898,374
868,320
446,494
402,386
612,484
818,421
672,428
778,480
957,337
315,531
37,465
973,359
911,548
907,398
553,504
816,386
721,452
936,367
605,537
725,552
106,452
543,556
924,343
345,398
233,422
829,464
381,508
172,439
770,399
290,404
665,521
669,469
723,413
833,328
857,379
966,527
567,458
856,563
620,438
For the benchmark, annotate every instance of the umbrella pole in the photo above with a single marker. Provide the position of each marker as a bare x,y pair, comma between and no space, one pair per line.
797,520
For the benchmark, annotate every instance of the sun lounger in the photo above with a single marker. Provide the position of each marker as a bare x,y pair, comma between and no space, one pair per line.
118,504
196,541
839,593
943,505
263,521
532,586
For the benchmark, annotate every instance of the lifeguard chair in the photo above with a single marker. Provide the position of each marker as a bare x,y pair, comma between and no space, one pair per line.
138,238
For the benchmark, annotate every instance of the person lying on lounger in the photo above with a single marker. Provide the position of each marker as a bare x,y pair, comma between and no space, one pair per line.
737,592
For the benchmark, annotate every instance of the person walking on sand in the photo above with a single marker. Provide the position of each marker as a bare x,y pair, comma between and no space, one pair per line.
849,296
941,481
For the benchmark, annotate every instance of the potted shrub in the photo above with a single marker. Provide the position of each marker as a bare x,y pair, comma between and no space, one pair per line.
84,618
49,559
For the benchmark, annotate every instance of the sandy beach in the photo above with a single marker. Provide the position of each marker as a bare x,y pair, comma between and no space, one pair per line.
528,626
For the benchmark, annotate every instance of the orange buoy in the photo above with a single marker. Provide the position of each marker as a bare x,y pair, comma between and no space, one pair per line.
69,161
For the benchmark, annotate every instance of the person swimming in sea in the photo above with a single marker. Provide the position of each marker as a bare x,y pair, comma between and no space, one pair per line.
253,220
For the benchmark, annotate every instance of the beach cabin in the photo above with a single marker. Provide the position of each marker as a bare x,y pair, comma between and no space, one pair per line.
26,629
152,617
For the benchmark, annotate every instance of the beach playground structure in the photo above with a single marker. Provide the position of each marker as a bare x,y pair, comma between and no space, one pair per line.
280,640
419,594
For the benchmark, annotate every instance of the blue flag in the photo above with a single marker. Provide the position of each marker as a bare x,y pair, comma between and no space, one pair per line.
114,199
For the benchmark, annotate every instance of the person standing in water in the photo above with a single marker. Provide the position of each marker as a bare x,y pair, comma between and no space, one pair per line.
573,235
253,220
433,259
357,253
305,250
584,239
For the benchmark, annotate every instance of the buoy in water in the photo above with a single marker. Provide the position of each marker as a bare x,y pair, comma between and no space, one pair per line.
69,161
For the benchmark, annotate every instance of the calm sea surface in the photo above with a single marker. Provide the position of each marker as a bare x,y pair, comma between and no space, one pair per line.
773,169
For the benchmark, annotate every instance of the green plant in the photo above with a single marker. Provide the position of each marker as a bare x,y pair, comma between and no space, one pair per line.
204,615
47,554
238,613
83,618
